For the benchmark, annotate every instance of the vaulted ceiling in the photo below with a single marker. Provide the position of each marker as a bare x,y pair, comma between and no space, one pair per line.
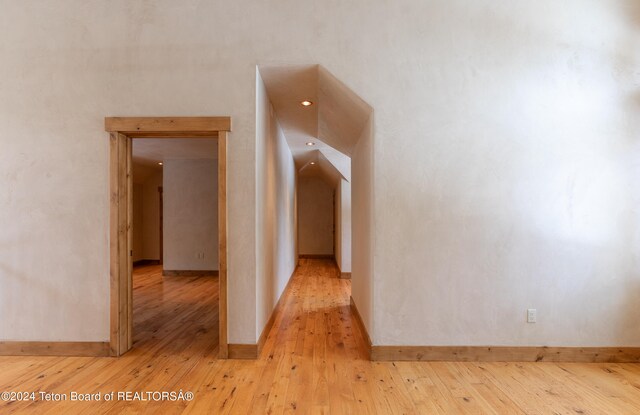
333,123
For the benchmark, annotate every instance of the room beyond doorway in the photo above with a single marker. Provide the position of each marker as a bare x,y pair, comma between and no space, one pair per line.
165,311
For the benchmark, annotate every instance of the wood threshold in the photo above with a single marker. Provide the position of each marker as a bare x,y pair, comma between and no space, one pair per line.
345,275
190,273
80,349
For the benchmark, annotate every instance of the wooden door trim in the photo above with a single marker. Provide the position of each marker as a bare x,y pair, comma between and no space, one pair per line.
168,127
161,224
121,131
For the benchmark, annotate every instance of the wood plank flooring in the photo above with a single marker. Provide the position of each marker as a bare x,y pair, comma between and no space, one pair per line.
313,363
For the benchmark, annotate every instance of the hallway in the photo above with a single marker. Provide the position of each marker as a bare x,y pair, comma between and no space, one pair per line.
313,362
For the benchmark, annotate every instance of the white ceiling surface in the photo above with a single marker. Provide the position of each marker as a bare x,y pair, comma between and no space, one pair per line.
342,114
334,121
287,86
324,168
154,150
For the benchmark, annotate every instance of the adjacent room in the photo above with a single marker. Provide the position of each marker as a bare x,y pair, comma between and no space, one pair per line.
175,245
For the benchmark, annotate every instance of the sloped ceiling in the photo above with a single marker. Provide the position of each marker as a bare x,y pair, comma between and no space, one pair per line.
287,86
333,123
341,113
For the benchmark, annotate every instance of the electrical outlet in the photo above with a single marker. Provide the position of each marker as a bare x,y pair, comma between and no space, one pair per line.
532,315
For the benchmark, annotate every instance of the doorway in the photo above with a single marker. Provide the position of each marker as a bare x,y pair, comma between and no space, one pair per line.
122,130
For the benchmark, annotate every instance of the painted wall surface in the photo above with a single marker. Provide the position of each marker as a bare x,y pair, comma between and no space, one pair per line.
315,216
276,215
190,214
504,147
362,196
522,187
342,214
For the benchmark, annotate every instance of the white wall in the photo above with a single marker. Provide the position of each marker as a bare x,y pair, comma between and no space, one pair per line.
190,214
276,215
504,148
342,214
522,186
315,216
362,246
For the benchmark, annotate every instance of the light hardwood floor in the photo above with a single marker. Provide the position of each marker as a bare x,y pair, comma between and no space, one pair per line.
312,362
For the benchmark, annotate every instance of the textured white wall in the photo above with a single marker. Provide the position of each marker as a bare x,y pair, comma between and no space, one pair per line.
190,214
362,213
315,216
345,225
520,138
504,149
276,216
342,214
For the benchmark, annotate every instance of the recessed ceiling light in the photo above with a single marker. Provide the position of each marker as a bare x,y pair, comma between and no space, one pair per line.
313,162
160,163
311,143
306,103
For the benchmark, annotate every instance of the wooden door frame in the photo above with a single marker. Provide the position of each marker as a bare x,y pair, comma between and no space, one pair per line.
161,224
121,132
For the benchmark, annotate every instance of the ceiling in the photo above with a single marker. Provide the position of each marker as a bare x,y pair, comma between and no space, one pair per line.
287,86
333,123
151,151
